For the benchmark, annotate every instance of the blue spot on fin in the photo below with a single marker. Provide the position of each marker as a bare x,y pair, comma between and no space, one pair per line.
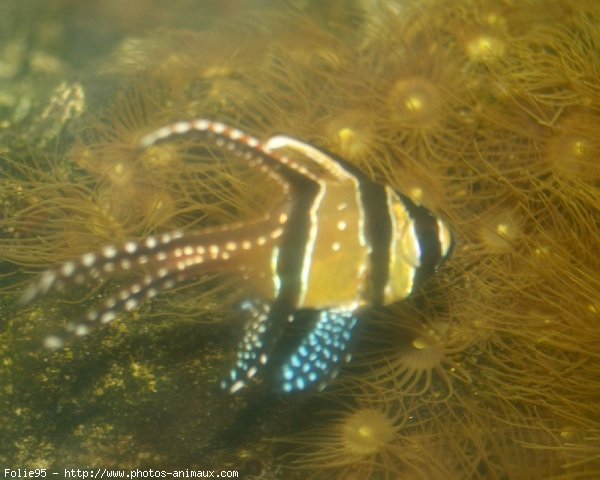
320,353
261,333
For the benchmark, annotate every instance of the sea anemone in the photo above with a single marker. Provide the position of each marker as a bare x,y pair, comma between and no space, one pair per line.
423,109
182,59
159,186
573,148
552,65
105,189
50,217
406,352
500,230
528,326
369,437
487,434
351,136
484,111
415,102
481,32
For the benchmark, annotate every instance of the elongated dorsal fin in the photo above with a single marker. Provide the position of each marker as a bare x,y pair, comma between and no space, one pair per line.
307,158
275,164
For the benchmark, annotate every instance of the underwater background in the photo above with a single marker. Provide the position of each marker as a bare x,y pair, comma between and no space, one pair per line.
486,112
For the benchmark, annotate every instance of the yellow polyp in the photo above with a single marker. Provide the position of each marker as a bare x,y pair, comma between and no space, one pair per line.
350,136
360,441
349,143
415,102
493,19
573,150
500,231
485,48
160,156
423,356
366,431
379,437
541,251
579,148
416,194
121,174
503,229
346,135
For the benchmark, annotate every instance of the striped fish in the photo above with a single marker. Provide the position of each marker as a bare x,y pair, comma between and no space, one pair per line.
335,244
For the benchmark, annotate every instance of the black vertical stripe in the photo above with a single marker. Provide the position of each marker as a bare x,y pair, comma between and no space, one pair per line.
377,229
293,242
292,251
378,234
427,232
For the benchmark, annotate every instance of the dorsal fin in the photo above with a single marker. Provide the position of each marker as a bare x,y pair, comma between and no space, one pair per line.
276,165
310,159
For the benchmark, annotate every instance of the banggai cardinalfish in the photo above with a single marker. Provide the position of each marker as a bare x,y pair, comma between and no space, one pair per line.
334,244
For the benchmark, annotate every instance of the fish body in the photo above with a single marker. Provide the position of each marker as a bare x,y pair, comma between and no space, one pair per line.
334,244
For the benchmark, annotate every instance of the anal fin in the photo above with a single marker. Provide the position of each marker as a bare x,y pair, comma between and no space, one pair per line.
260,335
320,353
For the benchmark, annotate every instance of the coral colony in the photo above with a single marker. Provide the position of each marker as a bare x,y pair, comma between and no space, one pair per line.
195,244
